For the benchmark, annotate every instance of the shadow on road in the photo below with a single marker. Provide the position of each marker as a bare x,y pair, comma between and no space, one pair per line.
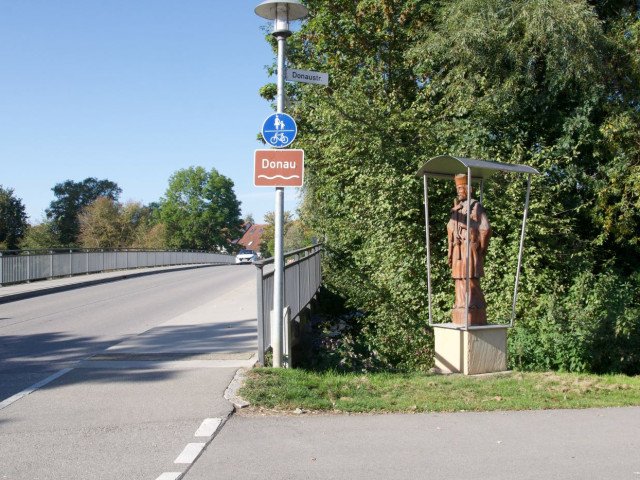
235,336
27,359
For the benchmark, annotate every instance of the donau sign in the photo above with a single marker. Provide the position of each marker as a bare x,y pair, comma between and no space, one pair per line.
278,168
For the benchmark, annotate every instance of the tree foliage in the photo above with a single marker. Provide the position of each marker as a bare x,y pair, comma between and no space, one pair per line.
109,224
549,83
296,234
39,236
13,219
71,198
200,210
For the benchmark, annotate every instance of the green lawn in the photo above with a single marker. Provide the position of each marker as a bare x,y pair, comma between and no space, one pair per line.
281,389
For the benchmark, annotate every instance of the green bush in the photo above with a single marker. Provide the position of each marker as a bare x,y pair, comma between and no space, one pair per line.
593,326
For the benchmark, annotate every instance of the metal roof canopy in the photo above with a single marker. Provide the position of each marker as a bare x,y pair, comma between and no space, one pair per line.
447,166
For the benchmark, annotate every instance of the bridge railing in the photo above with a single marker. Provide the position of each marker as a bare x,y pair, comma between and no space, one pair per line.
302,279
26,265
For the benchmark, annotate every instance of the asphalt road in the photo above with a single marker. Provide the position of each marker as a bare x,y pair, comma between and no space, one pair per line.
42,335
144,363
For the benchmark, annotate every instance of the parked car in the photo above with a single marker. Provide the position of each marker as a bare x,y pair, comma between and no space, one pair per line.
246,256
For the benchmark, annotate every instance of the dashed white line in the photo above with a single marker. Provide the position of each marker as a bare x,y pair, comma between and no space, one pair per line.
208,427
33,388
190,453
169,476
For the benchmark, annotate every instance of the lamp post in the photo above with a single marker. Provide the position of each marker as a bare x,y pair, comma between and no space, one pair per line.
281,12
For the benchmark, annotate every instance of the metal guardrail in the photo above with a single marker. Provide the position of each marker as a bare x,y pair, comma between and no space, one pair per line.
27,265
302,279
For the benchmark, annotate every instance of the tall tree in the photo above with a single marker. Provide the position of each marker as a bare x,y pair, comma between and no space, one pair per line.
39,236
13,219
200,210
550,83
71,198
109,224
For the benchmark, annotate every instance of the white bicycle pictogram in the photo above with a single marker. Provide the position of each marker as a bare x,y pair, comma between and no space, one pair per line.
278,137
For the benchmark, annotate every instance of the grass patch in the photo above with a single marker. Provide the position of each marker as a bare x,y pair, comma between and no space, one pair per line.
284,390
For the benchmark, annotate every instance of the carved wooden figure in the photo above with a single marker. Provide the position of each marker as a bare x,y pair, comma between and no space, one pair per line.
479,234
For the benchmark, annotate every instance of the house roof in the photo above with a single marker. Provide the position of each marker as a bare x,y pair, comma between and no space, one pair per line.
252,238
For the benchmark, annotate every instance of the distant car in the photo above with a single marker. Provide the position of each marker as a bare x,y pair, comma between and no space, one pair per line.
246,256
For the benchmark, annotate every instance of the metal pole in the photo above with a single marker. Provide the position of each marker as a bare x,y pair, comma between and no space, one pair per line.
524,223
426,222
468,242
278,276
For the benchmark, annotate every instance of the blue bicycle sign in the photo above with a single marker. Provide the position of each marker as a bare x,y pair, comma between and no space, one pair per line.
279,130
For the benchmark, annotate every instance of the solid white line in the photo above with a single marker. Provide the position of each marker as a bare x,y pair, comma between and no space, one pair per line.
32,388
190,453
169,476
208,427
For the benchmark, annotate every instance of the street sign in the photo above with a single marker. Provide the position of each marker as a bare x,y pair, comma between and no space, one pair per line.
279,130
307,76
278,168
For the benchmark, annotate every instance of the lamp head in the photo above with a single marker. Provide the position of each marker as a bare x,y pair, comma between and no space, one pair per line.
282,12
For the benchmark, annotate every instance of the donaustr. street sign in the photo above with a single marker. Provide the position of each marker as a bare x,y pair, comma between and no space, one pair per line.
278,168
307,76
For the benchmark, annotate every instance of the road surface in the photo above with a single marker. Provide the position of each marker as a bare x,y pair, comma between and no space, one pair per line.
144,363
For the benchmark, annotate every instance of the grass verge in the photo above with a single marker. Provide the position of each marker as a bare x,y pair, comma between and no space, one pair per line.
285,390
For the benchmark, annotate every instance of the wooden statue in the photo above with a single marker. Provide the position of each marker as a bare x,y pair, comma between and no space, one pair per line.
480,232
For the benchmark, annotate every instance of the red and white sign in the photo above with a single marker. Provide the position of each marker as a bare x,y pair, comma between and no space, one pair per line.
278,168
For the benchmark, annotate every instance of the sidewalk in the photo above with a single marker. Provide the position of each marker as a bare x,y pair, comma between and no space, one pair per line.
10,293
549,444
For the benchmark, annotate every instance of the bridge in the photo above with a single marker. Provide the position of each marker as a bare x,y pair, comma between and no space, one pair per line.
123,374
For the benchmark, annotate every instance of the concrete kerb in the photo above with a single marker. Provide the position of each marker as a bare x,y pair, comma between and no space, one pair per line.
231,393
43,289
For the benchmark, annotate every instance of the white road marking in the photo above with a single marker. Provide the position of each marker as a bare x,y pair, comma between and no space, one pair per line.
169,476
190,453
208,427
33,388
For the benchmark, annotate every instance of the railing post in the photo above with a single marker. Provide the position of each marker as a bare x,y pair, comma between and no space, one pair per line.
1,269
260,312
28,267
50,263
86,261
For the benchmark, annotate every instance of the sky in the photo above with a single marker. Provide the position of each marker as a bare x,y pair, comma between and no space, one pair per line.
131,91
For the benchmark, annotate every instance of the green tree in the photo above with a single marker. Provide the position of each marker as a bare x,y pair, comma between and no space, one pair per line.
71,198
13,219
39,236
109,224
549,83
267,247
200,210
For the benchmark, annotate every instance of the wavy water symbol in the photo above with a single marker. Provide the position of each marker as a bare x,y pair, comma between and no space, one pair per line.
279,176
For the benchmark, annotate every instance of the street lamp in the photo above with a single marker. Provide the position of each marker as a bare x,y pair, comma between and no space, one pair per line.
281,12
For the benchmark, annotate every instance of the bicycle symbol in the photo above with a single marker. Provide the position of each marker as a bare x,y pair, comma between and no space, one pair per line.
278,137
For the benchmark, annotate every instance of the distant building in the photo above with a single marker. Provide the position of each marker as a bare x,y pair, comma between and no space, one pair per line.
252,238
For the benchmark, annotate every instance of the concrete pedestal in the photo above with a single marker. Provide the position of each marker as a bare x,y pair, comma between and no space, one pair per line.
471,352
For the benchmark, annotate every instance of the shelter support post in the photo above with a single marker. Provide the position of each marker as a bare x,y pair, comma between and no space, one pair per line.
521,249
426,221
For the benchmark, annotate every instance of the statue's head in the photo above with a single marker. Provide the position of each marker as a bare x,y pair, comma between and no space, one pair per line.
461,186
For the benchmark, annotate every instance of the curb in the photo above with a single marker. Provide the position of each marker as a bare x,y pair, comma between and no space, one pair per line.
231,393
